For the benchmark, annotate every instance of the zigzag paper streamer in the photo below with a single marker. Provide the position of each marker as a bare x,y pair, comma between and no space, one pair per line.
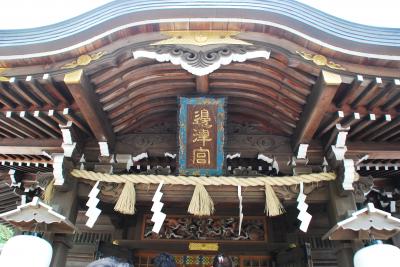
93,212
303,216
240,208
158,216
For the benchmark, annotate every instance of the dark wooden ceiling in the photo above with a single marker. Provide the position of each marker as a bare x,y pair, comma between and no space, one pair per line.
137,91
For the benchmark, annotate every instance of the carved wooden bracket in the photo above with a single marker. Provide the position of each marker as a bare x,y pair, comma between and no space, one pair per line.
201,62
362,187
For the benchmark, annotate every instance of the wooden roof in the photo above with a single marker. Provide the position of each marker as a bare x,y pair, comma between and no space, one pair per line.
289,19
290,94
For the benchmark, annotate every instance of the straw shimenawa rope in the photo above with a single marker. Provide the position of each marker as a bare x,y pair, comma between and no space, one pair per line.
273,207
127,200
48,193
201,203
194,180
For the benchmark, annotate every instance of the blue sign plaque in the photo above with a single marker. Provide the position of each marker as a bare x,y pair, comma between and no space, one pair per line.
201,136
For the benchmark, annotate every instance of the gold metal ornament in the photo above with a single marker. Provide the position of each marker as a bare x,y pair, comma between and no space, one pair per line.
3,78
200,38
204,246
83,60
320,60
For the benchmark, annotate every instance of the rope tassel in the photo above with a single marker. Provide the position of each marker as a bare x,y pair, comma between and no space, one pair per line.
273,206
127,200
48,193
201,203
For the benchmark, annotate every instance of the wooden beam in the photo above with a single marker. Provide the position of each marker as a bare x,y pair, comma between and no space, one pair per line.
6,101
384,94
391,134
15,129
362,125
24,92
202,84
39,126
351,91
14,119
368,93
29,146
84,95
41,92
12,95
46,120
70,116
375,150
317,103
376,127
331,123
395,98
54,115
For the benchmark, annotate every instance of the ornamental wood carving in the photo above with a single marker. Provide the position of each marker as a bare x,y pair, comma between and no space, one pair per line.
362,187
261,143
202,61
210,228
139,143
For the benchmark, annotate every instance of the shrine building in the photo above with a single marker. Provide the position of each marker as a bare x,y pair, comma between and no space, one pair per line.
268,131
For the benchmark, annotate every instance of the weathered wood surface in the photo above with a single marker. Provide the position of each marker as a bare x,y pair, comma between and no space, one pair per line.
80,88
321,96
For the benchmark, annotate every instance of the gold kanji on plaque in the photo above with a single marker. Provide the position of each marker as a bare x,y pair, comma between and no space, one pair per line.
201,156
202,118
201,135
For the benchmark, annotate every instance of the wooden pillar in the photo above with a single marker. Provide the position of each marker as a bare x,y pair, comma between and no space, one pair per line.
340,206
61,245
65,201
396,240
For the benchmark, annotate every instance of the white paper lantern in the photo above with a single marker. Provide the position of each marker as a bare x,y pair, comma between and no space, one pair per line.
26,250
378,255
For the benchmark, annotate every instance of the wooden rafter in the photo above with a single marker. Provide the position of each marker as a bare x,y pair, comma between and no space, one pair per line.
29,146
318,102
375,150
84,95
351,90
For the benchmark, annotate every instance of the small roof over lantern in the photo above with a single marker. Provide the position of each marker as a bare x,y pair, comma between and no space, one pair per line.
38,216
364,224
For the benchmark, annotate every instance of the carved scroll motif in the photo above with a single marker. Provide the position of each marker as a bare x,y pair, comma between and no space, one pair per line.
201,61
